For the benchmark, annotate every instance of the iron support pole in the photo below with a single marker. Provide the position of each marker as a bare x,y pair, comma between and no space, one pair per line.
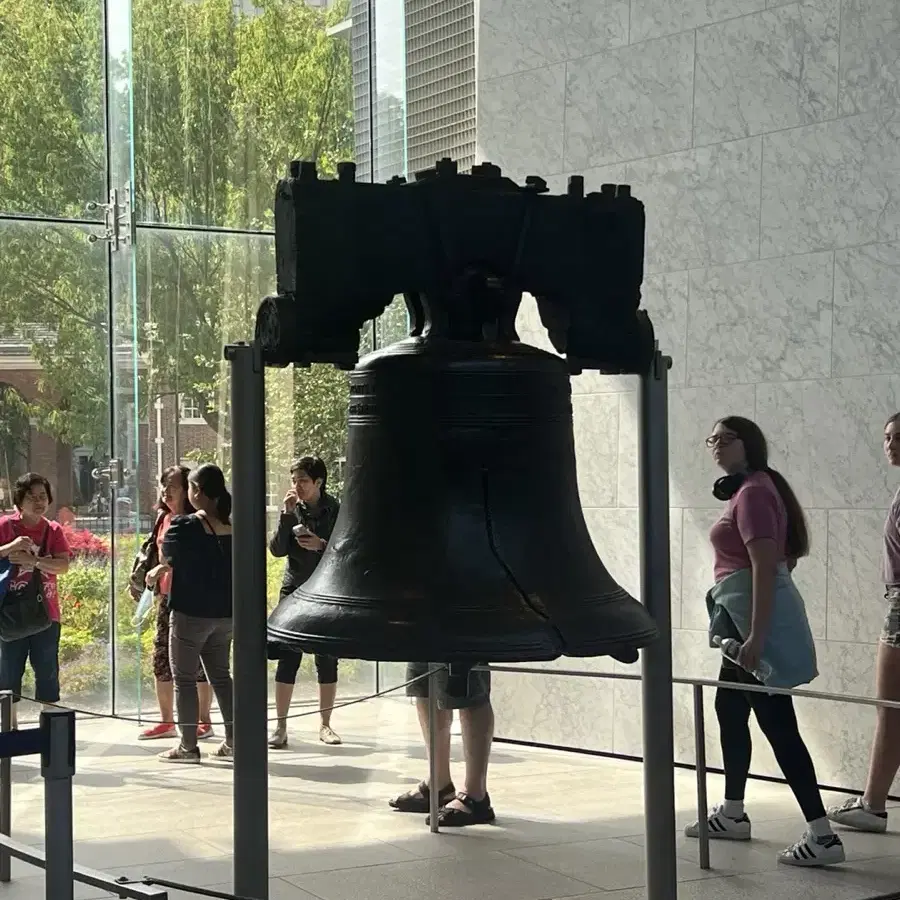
251,763
434,785
58,769
656,660
6,712
700,760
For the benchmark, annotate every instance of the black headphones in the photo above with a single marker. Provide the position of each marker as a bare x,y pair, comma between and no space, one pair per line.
727,486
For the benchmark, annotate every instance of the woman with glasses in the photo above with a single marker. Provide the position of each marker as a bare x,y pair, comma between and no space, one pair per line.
868,813
756,543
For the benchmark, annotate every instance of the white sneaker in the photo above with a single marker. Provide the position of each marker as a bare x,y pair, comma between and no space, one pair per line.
721,827
854,814
813,851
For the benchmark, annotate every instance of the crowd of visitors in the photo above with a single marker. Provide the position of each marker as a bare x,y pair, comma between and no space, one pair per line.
754,608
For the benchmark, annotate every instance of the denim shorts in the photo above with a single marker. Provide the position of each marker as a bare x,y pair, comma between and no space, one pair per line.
478,693
890,633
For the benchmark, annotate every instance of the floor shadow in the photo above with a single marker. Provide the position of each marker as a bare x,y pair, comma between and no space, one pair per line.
334,774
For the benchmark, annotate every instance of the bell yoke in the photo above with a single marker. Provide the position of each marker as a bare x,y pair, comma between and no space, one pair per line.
460,537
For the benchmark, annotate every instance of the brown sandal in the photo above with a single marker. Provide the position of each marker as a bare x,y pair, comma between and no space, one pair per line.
419,800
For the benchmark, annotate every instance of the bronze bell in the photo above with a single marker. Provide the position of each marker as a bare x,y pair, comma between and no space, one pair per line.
460,536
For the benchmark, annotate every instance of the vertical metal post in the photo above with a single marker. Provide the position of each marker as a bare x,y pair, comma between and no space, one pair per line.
251,763
6,708
656,660
700,760
58,769
433,780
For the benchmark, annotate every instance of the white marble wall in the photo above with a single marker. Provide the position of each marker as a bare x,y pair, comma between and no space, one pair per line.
764,138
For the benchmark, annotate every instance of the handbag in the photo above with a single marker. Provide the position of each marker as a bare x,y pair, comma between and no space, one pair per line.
23,610
146,559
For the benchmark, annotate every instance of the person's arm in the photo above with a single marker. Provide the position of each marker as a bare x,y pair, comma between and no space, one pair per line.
764,564
175,537
281,540
20,544
59,554
52,565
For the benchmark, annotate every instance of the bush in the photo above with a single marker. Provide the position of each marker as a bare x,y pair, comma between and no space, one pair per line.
85,544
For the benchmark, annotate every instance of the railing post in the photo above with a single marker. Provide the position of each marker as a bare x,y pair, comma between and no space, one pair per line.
700,760
251,755
58,769
6,711
433,786
656,660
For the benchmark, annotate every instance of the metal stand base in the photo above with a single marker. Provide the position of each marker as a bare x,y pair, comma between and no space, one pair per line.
659,746
251,759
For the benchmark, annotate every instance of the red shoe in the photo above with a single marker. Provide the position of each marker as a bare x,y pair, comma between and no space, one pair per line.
205,732
157,732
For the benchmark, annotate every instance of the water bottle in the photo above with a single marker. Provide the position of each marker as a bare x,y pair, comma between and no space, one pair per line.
730,649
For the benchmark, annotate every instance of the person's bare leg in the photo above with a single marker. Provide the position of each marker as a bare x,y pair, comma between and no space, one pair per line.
205,693
284,693
477,734
165,698
327,697
885,758
442,742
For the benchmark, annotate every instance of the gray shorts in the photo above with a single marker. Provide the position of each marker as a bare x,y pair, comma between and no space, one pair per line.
890,633
479,691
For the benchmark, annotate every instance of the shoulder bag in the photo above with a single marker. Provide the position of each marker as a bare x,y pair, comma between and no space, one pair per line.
23,611
146,559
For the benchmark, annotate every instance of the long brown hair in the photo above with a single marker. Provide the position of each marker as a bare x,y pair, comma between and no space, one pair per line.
756,450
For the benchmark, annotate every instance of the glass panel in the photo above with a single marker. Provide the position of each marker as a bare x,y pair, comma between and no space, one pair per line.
52,156
390,89
226,93
54,420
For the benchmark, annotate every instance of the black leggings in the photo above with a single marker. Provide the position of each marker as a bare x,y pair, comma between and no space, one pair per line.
778,722
289,665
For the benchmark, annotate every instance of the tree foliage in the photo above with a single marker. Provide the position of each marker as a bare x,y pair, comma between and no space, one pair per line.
222,101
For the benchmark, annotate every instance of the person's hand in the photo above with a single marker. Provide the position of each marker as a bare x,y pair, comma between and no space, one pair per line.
749,654
290,501
22,544
311,541
24,559
153,576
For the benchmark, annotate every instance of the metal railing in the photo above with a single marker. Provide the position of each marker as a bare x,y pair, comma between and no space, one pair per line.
697,685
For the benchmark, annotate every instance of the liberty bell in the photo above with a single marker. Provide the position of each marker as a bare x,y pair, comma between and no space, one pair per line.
460,537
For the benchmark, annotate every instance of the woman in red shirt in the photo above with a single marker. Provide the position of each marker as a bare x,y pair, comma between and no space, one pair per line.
173,501
756,542
31,542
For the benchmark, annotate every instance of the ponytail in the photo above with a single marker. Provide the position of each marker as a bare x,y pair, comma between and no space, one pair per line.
211,481
797,538
223,507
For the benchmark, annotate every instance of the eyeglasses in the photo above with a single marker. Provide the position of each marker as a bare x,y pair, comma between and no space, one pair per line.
720,440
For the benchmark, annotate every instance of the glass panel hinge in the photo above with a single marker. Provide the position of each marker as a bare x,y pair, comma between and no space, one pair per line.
118,219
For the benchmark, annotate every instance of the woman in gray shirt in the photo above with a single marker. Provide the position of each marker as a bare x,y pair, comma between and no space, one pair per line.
868,813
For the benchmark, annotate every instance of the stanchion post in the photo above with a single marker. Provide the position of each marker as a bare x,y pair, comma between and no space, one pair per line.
58,769
434,785
248,477
6,709
700,760
656,660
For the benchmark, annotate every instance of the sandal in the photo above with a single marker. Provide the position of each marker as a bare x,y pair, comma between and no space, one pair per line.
477,812
419,800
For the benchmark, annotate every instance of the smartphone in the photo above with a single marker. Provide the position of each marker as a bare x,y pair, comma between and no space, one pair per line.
300,530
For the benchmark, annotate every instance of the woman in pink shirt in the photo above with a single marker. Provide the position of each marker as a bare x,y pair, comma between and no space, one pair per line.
31,542
869,813
756,543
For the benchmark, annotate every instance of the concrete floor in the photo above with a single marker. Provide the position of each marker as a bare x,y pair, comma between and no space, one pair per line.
567,826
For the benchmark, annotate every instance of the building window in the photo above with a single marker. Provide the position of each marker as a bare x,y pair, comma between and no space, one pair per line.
190,409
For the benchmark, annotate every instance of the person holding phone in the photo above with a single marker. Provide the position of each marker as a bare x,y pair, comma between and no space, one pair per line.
304,529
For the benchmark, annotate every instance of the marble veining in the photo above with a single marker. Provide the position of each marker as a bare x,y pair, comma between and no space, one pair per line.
775,69
867,310
831,185
760,321
655,18
596,425
515,35
629,103
870,55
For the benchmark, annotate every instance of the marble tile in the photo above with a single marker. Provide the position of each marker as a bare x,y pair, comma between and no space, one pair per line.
831,185
655,18
866,311
629,103
616,536
524,144
760,321
596,423
702,205
775,69
870,60
856,604
811,574
665,297
692,414
515,35
826,438
697,565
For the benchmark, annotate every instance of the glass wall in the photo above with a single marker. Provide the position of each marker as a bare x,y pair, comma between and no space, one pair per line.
140,146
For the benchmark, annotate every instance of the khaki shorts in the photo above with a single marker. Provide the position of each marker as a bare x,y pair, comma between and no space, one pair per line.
890,633
478,693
